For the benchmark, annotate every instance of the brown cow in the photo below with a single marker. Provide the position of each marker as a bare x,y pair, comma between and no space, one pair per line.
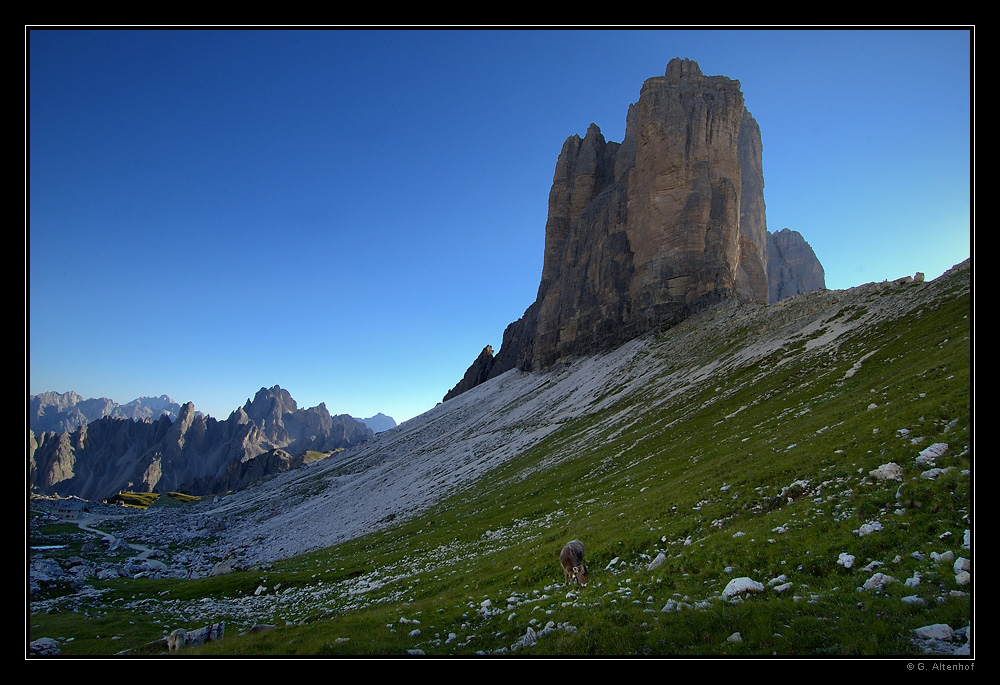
571,559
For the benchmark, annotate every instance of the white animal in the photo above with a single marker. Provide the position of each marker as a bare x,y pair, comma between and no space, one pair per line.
176,640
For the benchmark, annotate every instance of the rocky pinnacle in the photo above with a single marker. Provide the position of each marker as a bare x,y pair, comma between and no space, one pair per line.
647,231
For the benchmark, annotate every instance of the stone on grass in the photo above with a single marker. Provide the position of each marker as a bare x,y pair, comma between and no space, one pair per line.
929,455
740,586
878,581
890,471
528,639
869,528
942,558
936,631
43,646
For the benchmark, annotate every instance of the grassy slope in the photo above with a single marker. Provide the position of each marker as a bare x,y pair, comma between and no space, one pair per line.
730,464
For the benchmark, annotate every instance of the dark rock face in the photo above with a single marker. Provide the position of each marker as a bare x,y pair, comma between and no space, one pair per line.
792,266
648,231
753,212
195,454
476,374
239,474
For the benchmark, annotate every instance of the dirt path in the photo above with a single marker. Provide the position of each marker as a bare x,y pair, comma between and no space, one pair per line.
87,522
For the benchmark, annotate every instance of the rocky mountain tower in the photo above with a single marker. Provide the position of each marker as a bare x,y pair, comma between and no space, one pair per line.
647,231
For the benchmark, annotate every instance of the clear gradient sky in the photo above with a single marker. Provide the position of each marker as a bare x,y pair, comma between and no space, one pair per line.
353,215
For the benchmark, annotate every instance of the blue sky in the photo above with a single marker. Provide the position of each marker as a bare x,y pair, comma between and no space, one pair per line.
353,215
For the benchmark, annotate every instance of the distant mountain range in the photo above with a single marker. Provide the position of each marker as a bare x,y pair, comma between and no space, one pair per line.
61,412
95,448
380,422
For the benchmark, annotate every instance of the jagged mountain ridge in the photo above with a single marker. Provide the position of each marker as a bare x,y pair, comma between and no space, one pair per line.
195,453
60,412
651,230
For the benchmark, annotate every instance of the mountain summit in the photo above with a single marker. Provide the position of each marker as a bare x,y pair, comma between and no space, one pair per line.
650,230
192,453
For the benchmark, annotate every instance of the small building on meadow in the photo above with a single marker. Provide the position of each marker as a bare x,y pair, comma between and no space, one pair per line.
69,508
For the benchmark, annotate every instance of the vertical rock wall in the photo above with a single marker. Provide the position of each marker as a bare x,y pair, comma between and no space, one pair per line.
648,231
792,266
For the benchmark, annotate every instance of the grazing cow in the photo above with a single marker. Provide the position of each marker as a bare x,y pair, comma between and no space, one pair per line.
571,559
176,640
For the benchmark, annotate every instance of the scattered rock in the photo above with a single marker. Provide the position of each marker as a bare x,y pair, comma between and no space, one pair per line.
223,567
741,586
43,646
943,557
932,474
928,456
528,639
869,528
877,582
937,631
890,471
117,545
210,633
846,560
